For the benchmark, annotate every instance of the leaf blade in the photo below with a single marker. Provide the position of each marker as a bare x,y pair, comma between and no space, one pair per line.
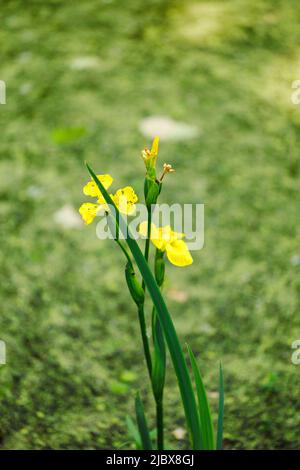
142,424
221,410
203,405
159,358
134,432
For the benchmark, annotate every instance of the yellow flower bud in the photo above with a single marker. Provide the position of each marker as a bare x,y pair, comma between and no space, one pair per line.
150,157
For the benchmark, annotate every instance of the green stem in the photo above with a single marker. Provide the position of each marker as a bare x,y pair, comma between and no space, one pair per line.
147,244
159,399
141,314
141,319
160,425
145,339
141,307
159,402
147,247
124,251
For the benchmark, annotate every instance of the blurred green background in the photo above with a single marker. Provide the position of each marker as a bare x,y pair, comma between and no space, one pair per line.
81,77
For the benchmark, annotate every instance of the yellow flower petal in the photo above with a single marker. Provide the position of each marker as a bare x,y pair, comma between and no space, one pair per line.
88,212
143,230
125,199
149,157
91,188
101,200
178,253
160,237
155,235
168,235
154,148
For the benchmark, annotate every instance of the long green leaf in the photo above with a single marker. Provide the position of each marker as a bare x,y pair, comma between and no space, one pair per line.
159,357
221,411
204,409
142,424
179,363
134,432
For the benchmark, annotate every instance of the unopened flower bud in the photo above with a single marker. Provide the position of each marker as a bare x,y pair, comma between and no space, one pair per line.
152,190
150,157
134,286
159,267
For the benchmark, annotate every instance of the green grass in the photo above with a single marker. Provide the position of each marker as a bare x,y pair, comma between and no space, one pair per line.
72,365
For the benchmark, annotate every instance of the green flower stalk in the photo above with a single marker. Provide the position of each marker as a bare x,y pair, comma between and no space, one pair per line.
170,245
159,354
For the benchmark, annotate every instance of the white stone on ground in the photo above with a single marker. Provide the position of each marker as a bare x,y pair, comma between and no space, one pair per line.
177,295
179,433
67,217
167,129
295,260
84,62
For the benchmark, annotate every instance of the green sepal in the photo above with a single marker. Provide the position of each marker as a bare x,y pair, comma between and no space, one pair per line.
152,190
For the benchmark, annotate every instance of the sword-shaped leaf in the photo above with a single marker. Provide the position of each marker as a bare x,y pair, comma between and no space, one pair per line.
142,424
221,410
204,409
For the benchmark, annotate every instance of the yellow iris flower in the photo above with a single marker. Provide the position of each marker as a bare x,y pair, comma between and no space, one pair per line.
164,239
124,199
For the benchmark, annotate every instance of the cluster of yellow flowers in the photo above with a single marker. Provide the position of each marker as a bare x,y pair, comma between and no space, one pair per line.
164,238
124,199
